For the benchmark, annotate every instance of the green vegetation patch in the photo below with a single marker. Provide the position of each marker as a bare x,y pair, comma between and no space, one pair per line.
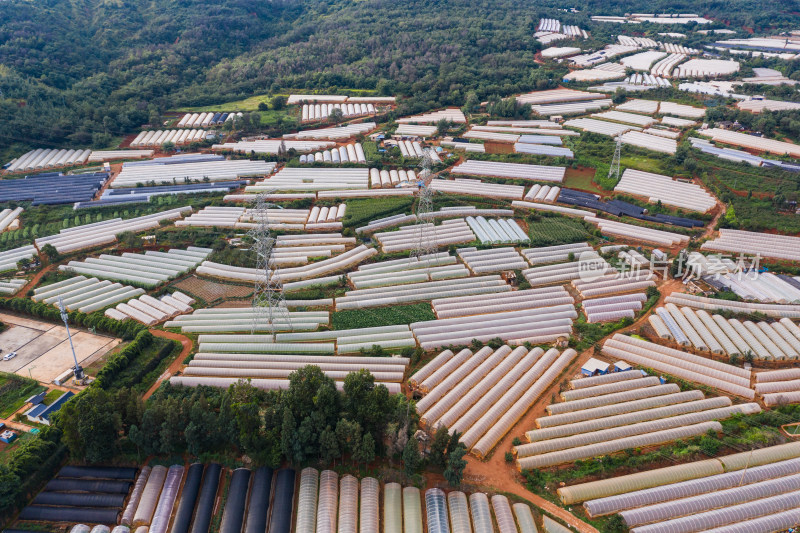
14,390
382,316
363,210
550,231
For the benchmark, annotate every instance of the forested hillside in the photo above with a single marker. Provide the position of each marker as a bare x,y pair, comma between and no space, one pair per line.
82,72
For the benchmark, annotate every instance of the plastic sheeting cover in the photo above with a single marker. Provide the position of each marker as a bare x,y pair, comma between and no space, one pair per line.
436,511
283,502
233,516
191,488
258,505
205,502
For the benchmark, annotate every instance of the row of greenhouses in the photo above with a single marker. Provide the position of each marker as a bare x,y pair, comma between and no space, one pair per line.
245,319
440,283
536,326
335,133
10,258
235,361
744,492
150,311
317,112
313,219
300,276
720,376
328,503
405,238
47,158
586,265
11,285
764,287
713,333
779,387
543,193
602,417
454,115
271,146
613,283
556,254
474,187
492,259
481,304
410,149
391,178
497,230
350,153
94,494
8,218
149,269
609,495
305,179
768,245
85,294
178,499
638,233
665,190
613,308
715,304
402,272
105,232
160,137
444,213
482,395
139,175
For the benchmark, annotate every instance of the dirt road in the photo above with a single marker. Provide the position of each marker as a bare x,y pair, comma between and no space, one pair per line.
176,364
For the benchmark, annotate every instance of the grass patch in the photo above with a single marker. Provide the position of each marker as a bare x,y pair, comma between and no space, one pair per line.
581,179
549,231
382,316
52,396
643,163
14,390
246,104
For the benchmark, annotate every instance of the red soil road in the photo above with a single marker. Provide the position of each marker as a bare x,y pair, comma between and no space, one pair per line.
176,364
35,280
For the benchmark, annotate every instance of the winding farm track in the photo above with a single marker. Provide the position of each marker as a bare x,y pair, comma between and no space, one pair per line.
176,364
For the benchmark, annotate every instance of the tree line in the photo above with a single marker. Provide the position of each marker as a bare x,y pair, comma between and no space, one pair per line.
311,422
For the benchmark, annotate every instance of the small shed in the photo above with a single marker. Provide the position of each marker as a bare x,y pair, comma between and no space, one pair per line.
41,413
594,367
36,399
7,436
622,366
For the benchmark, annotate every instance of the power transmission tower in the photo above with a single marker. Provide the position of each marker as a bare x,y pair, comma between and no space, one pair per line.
426,235
268,303
78,370
613,171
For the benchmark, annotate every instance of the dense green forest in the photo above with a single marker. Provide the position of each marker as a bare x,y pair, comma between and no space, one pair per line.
85,72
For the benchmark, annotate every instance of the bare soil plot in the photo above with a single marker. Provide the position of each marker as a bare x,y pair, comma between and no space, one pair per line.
43,350
211,291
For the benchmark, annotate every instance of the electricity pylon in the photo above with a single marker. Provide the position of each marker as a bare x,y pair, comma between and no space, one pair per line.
613,171
268,302
426,236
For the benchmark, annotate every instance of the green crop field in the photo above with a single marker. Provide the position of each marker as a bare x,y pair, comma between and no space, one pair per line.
551,231
382,316
362,210
14,390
